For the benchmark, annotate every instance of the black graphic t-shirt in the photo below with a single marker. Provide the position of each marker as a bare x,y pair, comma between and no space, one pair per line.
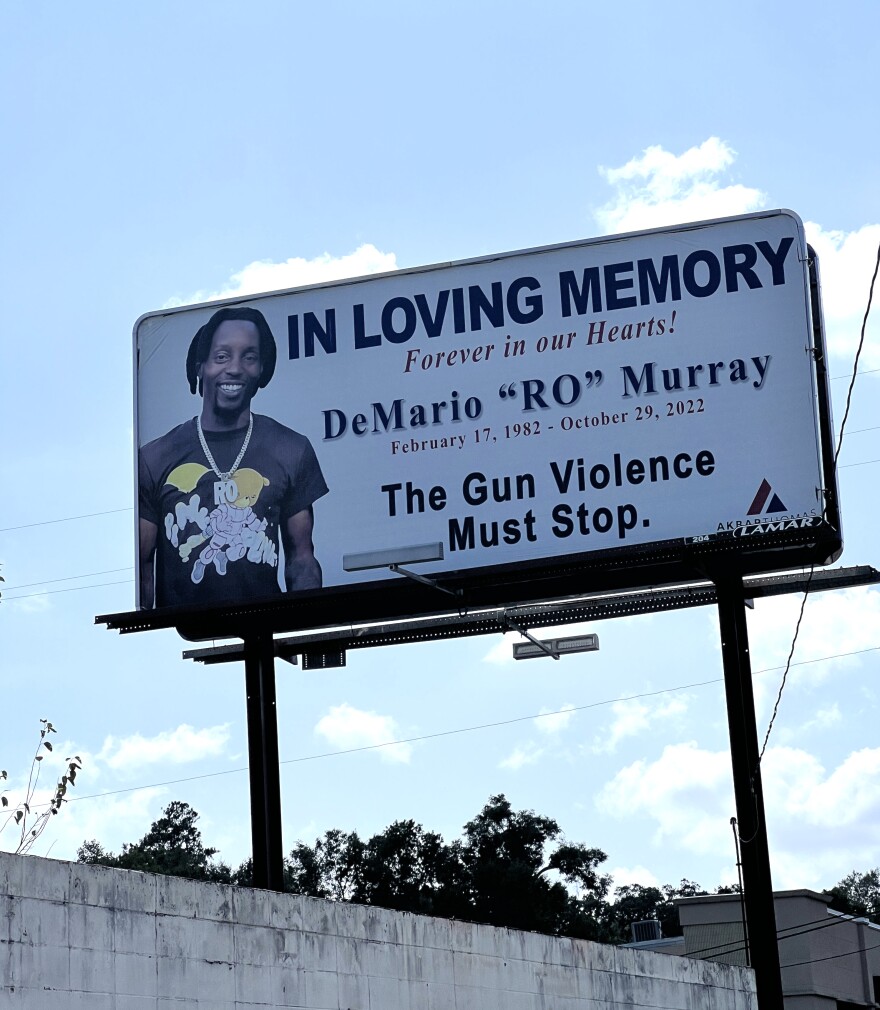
218,542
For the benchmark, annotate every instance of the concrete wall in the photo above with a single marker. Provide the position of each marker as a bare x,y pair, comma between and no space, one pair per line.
92,938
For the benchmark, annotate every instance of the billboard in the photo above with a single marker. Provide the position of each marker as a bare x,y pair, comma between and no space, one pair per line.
494,422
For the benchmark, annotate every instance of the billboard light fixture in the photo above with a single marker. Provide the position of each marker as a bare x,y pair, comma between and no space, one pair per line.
555,647
391,556
395,558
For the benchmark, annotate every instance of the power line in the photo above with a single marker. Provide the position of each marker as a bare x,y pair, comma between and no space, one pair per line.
797,629
72,589
849,375
69,578
831,957
855,370
465,729
91,515
66,519
802,928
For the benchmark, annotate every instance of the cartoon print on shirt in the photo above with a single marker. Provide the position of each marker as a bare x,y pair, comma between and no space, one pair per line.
233,530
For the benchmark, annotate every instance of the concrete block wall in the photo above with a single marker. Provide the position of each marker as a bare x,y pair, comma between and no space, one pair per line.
92,938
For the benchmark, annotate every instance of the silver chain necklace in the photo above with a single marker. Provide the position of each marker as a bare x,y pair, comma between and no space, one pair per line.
225,489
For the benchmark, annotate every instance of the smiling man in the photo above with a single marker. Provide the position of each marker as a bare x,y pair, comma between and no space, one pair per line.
222,495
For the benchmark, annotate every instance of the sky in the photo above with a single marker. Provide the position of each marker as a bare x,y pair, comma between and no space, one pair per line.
164,154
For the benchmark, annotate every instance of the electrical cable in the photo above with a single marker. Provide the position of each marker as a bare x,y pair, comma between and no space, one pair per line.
801,929
831,957
855,370
66,519
849,375
71,589
91,515
787,662
68,578
465,729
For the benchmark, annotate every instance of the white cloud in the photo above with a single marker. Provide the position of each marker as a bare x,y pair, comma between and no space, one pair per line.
687,791
502,652
635,716
821,824
525,755
846,263
178,746
111,819
839,622
552,721
824,719
797,783
625,875
33,603
347,727
660,188
264,275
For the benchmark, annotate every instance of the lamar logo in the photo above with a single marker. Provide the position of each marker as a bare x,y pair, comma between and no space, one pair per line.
759,502
801,523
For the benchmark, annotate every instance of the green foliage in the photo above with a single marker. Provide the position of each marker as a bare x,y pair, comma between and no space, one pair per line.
172,846
858,894
510,868
497,873
27,818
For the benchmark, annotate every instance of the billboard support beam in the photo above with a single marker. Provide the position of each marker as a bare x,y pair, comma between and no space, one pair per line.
425,581
746,761
263,763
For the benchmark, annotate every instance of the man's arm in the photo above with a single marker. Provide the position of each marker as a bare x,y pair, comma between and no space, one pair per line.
148,534
301,568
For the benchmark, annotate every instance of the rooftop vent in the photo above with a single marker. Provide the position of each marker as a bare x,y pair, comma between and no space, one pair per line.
647,930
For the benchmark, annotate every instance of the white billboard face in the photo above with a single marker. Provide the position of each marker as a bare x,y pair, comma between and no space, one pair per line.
527,407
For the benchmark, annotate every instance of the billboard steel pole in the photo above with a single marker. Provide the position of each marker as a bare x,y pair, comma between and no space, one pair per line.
752,826
262,719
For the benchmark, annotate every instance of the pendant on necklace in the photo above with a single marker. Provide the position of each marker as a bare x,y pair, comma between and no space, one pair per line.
225,491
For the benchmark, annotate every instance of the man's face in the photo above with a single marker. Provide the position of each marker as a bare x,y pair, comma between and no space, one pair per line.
231,375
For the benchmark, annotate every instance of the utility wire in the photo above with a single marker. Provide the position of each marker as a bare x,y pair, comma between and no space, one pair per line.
788,662
91,515
66,519
71,589
69,578
802,928
831,957
864,372
855,372
465,729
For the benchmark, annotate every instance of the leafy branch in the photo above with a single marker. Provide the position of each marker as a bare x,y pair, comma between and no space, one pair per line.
30,822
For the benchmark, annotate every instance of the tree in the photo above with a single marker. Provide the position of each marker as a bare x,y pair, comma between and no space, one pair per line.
858,894
504,854
510,868
331,869
27,819
504,871
172,846
410,869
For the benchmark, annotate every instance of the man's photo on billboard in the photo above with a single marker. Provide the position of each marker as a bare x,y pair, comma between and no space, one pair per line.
226,498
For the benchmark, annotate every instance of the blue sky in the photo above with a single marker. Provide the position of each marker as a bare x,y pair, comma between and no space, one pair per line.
162,154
